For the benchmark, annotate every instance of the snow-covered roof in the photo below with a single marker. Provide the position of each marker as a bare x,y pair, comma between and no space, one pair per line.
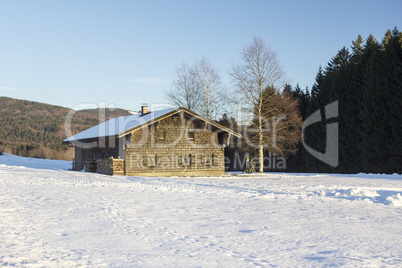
119,125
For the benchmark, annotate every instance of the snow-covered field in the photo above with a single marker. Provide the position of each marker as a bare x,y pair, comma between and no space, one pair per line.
50,216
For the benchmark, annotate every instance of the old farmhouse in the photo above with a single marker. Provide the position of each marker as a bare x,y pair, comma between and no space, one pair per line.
167,142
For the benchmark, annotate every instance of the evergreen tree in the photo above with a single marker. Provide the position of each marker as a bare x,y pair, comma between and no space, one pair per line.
372,113
304,99
392,81
314,135
368,85
357,70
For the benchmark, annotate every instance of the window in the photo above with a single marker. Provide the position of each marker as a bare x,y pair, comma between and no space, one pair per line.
186,160
161,135
209,159
151,160
190,135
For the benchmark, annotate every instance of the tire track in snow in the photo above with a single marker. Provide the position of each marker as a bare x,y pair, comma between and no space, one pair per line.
225,188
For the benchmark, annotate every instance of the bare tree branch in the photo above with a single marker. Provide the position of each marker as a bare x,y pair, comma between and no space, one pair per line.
184,89
198,88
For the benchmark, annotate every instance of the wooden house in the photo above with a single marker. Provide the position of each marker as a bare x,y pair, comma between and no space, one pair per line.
171,142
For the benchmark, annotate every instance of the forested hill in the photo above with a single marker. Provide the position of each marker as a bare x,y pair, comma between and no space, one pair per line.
36,129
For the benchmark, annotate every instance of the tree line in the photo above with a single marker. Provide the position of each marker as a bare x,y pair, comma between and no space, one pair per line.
35,129
365,80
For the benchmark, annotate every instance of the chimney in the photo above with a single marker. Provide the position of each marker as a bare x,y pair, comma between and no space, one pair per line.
144,109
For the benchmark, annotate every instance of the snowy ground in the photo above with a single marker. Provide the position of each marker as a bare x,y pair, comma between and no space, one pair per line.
50,216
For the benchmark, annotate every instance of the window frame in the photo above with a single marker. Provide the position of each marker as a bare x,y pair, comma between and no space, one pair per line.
151,160
186,160
191,134
209,160
162,135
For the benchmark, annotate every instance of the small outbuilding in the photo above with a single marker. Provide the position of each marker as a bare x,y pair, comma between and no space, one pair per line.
170,142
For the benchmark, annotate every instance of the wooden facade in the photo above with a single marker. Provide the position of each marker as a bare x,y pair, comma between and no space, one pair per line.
174,146
178,143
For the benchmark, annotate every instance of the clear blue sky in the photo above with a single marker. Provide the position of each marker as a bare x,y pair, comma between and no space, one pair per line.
125,52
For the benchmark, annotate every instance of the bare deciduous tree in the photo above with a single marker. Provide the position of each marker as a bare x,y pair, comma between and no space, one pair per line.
198,88
210,86
184,90
259,70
